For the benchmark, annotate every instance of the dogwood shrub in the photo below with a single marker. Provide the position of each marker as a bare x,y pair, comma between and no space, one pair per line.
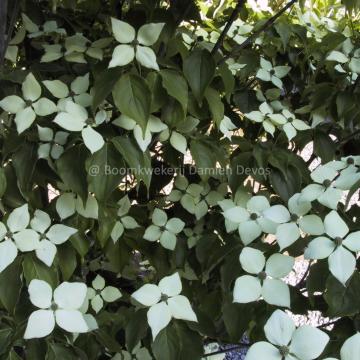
167,167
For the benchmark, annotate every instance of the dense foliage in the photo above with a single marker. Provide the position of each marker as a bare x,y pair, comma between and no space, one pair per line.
165,167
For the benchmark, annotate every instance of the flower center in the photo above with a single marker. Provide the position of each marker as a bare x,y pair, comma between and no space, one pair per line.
350,161
135,42
53,306
272,72
253,216
28,103
9,234
164,297
284,351
262,275
42,236
294,217
338,241
327,183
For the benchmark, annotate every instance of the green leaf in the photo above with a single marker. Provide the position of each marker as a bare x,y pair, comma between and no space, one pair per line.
286,183
24,161
107,220
10,285
343,301
80,243
199,70
35,269
216,106
158,93
284,30
105,170
108,341
135,158
5,339
136,328
175,86
228,80
133,98
177,342
324,146
67,260
3,182
71,168
204,157
236,319
58,351
104,84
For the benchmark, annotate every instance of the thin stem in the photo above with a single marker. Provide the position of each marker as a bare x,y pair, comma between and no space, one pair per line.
3,21
232,18
298,285
12,22
347,138
237,347
254,35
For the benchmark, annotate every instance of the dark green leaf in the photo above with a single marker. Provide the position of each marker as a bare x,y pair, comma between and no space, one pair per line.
135,158
199,70
109,168
133,98
10,285
35,269
176,86
104,84
71,168
177,342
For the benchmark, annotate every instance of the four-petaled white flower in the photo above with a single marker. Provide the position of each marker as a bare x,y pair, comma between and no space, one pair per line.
15,236
50,236
75,118
75,48
266,283
165,303
348,55
251,220
350,349
266,116
288,233
134,45
267,72
154,125
124,221
286,342
100,293
69,203
61,307
342,263
52,145
29,106
325,191
293,124
163,229
78,91
48,28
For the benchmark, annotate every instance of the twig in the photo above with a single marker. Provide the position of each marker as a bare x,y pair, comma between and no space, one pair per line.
237,347
14,15
298,285
254,35
232,18
3,22
349,137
